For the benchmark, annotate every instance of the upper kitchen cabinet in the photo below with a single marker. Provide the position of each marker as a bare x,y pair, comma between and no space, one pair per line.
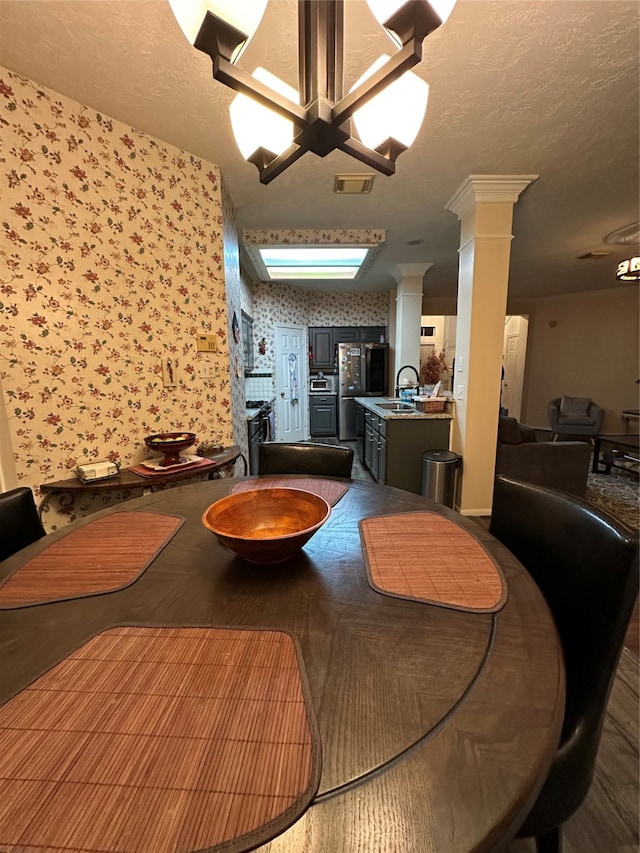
323,341
373,334
321,349
247,342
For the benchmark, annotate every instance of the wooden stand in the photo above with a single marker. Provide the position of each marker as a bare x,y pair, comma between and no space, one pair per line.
128,479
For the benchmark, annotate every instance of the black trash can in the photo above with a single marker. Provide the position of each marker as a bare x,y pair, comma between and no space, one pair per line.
440,476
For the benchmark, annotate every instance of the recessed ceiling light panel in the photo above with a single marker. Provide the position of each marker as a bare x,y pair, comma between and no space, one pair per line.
291,263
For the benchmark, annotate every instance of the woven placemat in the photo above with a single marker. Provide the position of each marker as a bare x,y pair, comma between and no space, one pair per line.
103,556
426,557
160,740
327,489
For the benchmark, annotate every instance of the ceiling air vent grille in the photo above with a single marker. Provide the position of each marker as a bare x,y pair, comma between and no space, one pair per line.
352,184
594,256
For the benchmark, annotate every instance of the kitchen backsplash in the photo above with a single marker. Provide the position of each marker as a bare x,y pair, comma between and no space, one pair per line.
260,387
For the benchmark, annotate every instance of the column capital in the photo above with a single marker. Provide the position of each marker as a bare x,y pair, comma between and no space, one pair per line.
403,271
478,189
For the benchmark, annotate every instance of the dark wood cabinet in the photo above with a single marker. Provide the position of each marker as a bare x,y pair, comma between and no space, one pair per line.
323,415
346,335
375,446
322,349
323,341
372,334
392,449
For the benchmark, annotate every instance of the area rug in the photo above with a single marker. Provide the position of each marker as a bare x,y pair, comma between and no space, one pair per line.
426,557
618,495
105,555
160,740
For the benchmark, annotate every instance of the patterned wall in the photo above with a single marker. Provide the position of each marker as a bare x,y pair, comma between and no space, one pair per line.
112,259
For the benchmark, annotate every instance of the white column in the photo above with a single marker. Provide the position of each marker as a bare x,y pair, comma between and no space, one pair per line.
409,278
484,206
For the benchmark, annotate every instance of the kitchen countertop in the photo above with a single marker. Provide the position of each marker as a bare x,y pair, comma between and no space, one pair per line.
371,403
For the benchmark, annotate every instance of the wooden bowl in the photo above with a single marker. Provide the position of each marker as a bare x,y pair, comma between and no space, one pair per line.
171,444
266,525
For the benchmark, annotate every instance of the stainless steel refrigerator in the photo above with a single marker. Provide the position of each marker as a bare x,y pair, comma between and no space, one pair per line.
362,372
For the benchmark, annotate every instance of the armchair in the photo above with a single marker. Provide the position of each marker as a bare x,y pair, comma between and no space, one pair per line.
563,465
575,416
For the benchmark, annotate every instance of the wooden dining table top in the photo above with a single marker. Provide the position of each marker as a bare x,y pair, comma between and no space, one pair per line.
437,725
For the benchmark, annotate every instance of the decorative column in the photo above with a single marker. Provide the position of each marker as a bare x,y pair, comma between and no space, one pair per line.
409,278
484,206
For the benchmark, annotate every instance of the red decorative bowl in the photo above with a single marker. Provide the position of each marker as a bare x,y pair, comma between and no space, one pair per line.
266,525
171,444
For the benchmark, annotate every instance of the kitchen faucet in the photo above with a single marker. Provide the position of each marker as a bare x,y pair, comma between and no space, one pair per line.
404,367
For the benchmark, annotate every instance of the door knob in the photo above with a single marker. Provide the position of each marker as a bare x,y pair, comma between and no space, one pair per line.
282,394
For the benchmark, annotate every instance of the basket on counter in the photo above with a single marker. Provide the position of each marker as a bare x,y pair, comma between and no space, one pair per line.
430,405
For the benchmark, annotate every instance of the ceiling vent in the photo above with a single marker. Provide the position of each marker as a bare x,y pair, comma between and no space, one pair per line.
352,184
593,256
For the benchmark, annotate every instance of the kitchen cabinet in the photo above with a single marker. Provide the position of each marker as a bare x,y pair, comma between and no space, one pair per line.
247,342
372,334
323,415
323,341
322,350
254,436
392,448
375,446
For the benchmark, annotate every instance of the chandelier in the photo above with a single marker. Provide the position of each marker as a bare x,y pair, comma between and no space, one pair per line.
275,124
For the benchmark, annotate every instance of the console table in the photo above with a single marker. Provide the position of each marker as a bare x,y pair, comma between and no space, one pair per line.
128,479
627,446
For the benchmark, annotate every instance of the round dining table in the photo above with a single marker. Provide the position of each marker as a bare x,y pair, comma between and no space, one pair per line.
436,724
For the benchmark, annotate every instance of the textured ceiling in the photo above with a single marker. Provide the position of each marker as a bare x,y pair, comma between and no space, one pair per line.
547,87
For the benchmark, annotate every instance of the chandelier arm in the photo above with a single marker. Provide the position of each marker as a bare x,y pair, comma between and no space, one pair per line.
281,162
368,156
240,81
406,58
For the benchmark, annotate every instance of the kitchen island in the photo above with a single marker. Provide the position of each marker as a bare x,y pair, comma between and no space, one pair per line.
391,444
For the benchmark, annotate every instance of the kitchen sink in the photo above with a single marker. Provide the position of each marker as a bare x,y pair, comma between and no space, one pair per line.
396,406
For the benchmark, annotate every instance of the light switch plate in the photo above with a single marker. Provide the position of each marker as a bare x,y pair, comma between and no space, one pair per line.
459,392
206,343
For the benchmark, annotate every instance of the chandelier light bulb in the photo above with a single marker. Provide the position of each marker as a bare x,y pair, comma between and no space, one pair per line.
382,10
244,16
397,112
255,126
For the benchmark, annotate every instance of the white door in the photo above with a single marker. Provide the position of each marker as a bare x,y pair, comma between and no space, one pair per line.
291,383
515,343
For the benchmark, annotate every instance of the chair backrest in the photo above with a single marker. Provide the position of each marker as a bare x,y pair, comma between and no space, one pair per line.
19,522
304,458
586,565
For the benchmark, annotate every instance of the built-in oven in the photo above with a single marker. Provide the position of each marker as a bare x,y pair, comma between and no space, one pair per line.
258,429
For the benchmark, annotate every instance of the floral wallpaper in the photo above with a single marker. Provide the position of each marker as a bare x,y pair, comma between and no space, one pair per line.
112,259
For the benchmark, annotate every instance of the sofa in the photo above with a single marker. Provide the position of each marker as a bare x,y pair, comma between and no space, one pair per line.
559,465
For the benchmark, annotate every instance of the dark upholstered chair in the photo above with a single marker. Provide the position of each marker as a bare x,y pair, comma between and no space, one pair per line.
575,416
304,458
19,522
560,465
586,565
